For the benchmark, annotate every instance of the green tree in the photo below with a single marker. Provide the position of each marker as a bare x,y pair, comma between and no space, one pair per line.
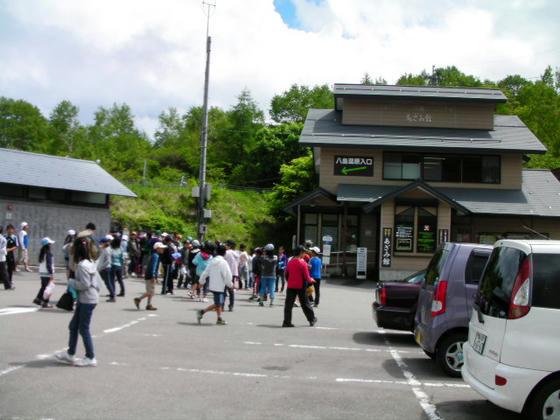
292,105
441,76
68,130
22,126
366,80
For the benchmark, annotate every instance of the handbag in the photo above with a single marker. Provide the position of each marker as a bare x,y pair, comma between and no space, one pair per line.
48,291
66,302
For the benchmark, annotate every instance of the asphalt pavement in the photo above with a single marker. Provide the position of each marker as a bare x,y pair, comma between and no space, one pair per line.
163,365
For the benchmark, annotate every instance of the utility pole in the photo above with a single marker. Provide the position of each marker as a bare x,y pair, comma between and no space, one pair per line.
204,137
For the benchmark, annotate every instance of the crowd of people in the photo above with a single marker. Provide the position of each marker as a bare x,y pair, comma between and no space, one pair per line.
212,267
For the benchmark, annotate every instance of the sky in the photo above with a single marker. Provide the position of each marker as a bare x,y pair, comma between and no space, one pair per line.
151,54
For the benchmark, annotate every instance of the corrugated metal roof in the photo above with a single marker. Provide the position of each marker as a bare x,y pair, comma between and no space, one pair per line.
38,170
323,128
539,196
417,92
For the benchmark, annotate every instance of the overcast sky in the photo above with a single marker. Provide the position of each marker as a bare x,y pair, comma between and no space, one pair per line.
150,54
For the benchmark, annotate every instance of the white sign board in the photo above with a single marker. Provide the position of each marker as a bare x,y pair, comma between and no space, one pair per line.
326,254
361,263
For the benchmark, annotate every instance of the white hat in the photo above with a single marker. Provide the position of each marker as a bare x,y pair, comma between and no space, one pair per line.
71,232
164,234
46,241
158,245
315,249
23,224
109,237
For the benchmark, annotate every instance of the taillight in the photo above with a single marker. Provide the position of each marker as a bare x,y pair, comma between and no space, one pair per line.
438,304
383,296
520,304
500,380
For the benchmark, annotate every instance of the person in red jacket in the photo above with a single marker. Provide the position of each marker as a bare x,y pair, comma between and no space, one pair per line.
297,274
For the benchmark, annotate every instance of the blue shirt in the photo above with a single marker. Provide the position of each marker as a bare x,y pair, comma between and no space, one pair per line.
316,265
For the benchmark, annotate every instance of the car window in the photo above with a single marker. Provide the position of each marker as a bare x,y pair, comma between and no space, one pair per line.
433,272
546,280
416,277
475,264
496,287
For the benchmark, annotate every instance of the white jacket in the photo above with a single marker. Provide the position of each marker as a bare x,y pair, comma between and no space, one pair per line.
219,275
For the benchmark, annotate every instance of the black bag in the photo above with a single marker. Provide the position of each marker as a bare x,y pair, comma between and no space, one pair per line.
66,302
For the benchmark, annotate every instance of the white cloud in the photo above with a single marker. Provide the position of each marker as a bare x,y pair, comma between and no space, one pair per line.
151,55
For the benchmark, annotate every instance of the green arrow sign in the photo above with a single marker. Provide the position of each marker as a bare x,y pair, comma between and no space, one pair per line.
345,170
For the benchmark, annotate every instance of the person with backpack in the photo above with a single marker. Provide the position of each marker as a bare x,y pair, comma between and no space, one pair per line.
297,274
117,263
87,284
201,261
46,272
268,264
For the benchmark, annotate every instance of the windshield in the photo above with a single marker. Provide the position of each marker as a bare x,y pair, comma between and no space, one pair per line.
496,286
416,277
433,272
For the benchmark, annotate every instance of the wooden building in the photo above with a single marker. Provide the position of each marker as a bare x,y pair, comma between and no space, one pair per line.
404,169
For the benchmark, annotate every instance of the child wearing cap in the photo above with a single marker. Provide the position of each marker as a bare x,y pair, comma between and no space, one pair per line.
151,277
46,272
104,266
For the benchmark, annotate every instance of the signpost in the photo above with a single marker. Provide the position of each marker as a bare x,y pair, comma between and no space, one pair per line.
353,166
387,247
327,243
361,263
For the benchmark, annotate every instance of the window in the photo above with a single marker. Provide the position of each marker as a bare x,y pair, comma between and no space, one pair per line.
310,227
330,227
427,222
435,268
475,265
442,168
351,233
404,229
546,279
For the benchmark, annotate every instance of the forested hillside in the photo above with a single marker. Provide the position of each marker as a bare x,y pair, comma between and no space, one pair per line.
244,150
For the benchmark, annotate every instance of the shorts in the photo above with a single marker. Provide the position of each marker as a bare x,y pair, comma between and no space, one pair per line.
150,287
23,256
219,298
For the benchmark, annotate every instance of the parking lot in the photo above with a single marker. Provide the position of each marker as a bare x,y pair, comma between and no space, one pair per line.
164,365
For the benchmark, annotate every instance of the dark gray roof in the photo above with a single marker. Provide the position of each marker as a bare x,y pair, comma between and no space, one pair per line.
421,92
323,128
37,170
365,193
539,196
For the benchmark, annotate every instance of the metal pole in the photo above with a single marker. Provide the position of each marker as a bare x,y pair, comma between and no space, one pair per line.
204,136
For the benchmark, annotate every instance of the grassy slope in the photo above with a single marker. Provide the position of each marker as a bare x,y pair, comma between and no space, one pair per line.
239,215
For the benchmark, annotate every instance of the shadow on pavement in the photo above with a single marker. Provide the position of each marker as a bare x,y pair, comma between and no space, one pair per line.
377,339
478,409
43,363
196,324
269,325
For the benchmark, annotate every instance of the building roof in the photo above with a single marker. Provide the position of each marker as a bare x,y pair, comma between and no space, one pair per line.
38,170
318,194
323,128
421,92
539,196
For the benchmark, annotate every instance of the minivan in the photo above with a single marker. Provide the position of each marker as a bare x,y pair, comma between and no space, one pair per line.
445,302
513,353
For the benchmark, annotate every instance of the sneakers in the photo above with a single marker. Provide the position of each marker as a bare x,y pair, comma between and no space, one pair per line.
37,301
64,357
199,315
205,299
261,303
137,302
312,323
111,300
221,322
86,362
151,308
28,270
286,325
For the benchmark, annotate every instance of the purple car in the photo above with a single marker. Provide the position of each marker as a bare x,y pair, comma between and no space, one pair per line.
446,300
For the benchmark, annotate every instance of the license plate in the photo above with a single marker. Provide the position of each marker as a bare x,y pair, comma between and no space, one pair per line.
479,342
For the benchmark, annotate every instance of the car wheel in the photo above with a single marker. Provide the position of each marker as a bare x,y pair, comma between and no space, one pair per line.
545,403
449,354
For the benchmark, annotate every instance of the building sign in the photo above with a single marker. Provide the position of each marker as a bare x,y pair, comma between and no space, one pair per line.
404,237
353,165
361,263
386,250
427,238
443,236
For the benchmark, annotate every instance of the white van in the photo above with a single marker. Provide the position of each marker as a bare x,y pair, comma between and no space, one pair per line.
513,354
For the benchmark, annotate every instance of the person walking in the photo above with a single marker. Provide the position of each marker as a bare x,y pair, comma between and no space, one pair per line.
232,258
219,277
117,262
315,272
243,267
201,261
268,273
46,272
281,269
70,237
298,277
151,277
11,246
167,262
87,284
104,266
134,254
23,250
256,268
3,253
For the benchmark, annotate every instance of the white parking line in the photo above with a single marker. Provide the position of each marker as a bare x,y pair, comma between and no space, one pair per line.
335,348
12,369
17,311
